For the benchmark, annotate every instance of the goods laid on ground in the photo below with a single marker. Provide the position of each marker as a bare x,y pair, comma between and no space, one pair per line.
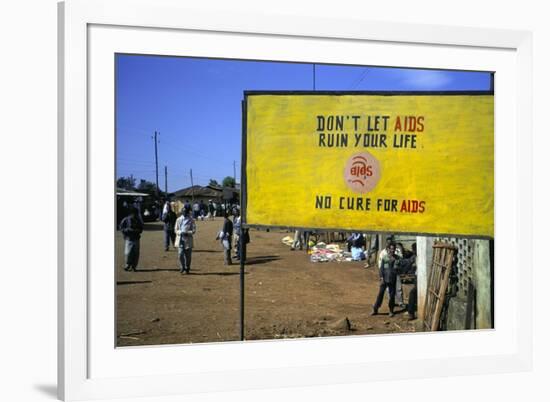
288,240
322,252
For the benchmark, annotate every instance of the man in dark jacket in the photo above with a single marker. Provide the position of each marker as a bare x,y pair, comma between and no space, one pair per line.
131,228
211,210
187,206
225,237
169,219
388,273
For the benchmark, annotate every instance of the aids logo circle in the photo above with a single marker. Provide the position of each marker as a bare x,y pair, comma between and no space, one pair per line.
362,172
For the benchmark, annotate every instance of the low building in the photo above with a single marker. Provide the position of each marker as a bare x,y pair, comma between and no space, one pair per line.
146,206
217,194
469,301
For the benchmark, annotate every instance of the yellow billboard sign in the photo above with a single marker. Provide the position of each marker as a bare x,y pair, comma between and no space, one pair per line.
388,162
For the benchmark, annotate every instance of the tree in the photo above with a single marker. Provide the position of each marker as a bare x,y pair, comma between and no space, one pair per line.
148,187
127,183
214,183
228,181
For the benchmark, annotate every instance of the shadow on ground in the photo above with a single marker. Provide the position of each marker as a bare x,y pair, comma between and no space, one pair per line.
262,259
157,270
215,273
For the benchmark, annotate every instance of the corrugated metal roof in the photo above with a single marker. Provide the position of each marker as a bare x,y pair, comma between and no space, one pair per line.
198,191
130,193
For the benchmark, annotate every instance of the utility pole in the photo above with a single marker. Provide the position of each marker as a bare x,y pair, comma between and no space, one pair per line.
166,180
192,187
157,164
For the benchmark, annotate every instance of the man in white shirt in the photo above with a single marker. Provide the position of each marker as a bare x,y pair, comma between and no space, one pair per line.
387,270
185,229
384,252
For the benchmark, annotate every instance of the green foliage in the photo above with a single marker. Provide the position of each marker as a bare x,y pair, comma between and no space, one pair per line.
148,187
213,183
228,181
127,183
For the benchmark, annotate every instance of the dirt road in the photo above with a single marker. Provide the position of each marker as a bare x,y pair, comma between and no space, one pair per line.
286,295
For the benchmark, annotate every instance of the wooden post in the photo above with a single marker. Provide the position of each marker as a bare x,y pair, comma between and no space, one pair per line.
438,281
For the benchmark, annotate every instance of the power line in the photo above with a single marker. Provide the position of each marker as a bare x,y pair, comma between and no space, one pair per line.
133,160
137,164
136,171
126,128
361,78
189,150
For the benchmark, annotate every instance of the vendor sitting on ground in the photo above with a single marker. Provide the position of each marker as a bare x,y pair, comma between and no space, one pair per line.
356,243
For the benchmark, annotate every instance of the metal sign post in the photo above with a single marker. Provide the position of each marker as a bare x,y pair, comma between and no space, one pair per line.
242,254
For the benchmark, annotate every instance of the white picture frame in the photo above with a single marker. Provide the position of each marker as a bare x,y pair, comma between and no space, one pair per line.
90,367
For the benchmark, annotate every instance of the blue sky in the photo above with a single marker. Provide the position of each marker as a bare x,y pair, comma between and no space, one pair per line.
195,104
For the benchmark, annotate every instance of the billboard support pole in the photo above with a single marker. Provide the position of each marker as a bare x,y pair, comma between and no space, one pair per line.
242,245
242,254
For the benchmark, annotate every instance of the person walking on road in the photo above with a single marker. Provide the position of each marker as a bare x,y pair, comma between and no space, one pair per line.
131,228
298,240
225,237
388,272
211,210
169,218
236,232
187,205
196,210
185,229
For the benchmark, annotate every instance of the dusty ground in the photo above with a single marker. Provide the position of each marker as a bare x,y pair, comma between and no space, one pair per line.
286,295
